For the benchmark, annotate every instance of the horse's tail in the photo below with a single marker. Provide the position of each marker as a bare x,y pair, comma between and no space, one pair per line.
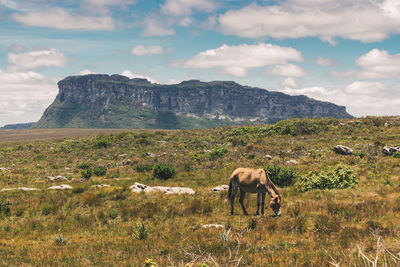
229,191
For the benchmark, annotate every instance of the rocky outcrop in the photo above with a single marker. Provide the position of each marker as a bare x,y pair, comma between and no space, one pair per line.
137,188
343,150
60,187
117,101
220,188
390,150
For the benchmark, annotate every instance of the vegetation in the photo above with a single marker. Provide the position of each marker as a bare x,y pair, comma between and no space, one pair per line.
357,212
163,171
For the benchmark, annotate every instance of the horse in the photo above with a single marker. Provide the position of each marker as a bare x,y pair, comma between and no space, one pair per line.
254,181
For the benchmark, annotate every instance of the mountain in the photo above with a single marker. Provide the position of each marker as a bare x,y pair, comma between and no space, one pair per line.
103,101
17,126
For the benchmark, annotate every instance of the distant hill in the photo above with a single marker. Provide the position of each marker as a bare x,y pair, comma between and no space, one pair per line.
17,126
103,101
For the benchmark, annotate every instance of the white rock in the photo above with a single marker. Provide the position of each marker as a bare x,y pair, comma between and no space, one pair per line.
20,188
4,169
137,188
60,187
101,185
220,188
388,150
268,157
292,162
57,178
212,225
343,150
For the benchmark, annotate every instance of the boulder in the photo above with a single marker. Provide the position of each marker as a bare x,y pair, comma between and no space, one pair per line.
343,150
19,188
137,188
4,169
220,188
390,150
212,225
100,185
57,178
268,157
60,187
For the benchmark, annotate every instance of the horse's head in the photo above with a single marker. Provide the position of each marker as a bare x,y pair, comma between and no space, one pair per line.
275,205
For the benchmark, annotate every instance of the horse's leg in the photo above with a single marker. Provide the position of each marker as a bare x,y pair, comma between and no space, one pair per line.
233,194
263,201
258,202
241,199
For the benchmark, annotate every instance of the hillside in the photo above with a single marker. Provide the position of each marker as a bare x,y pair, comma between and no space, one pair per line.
103,101
96,226
17,126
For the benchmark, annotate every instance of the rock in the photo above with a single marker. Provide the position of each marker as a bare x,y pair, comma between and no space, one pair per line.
343,150
212,225
60,187
100,185
109,165
390,150
4,169
292,162
123,155
57,178
268,157
20,188
67,168
220,188
137,188
126,162
150,155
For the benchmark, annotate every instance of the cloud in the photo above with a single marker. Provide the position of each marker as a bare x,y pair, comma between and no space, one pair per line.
86,72
376,64
360,97
290,83
132,75
155,26
24,96
326,61
236,60
186,7
141,50
36,59
288,70
103,3
366,21
59,18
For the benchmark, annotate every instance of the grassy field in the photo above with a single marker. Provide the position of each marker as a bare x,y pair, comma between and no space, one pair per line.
115,227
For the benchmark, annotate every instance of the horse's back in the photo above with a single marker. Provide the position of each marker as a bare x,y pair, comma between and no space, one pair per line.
249,178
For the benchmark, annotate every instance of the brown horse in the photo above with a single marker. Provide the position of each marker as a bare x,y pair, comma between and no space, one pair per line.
254,181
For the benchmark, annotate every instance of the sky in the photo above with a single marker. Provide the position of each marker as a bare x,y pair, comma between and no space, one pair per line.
343,51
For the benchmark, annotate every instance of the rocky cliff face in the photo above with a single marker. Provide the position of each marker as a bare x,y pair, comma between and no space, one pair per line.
117,101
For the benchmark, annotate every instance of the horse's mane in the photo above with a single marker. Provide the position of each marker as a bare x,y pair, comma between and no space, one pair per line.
271,184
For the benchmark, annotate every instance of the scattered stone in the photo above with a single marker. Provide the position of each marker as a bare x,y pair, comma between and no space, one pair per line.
390,150
343,150
123,155
212,225
150,155
137,188
126,162
20,188
60,187
4,169
101,185
57,178
164,154
109,165
67,168
292,162
220,188
268,157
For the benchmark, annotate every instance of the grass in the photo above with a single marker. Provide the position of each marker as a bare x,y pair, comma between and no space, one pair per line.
112,226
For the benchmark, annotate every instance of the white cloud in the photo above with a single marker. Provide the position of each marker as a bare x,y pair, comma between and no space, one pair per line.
132,75
141,50
24,96
236,60
290,83
366,21
376,64
326,61
36,59
185,7
86,72
288,70
102,3
59,18
155,26
361,98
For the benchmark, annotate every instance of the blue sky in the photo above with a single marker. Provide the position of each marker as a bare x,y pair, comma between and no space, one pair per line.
343,51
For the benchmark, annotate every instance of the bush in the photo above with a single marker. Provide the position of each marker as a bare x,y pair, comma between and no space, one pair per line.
281,176
163,171
143,168
338,178
297,127
113,214
84,165
4,208
86,174
102,141
141,232
100,170
217,152
396,155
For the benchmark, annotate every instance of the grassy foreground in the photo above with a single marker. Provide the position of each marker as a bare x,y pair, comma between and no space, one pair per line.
114,227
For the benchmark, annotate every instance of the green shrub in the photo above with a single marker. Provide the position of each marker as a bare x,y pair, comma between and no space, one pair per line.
217,152
281,176
60,240
141,232
102,141
112,214
143,168
100,170
84,165
78,189
297,127
4,208
396,155
338,178
86,174
163,171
